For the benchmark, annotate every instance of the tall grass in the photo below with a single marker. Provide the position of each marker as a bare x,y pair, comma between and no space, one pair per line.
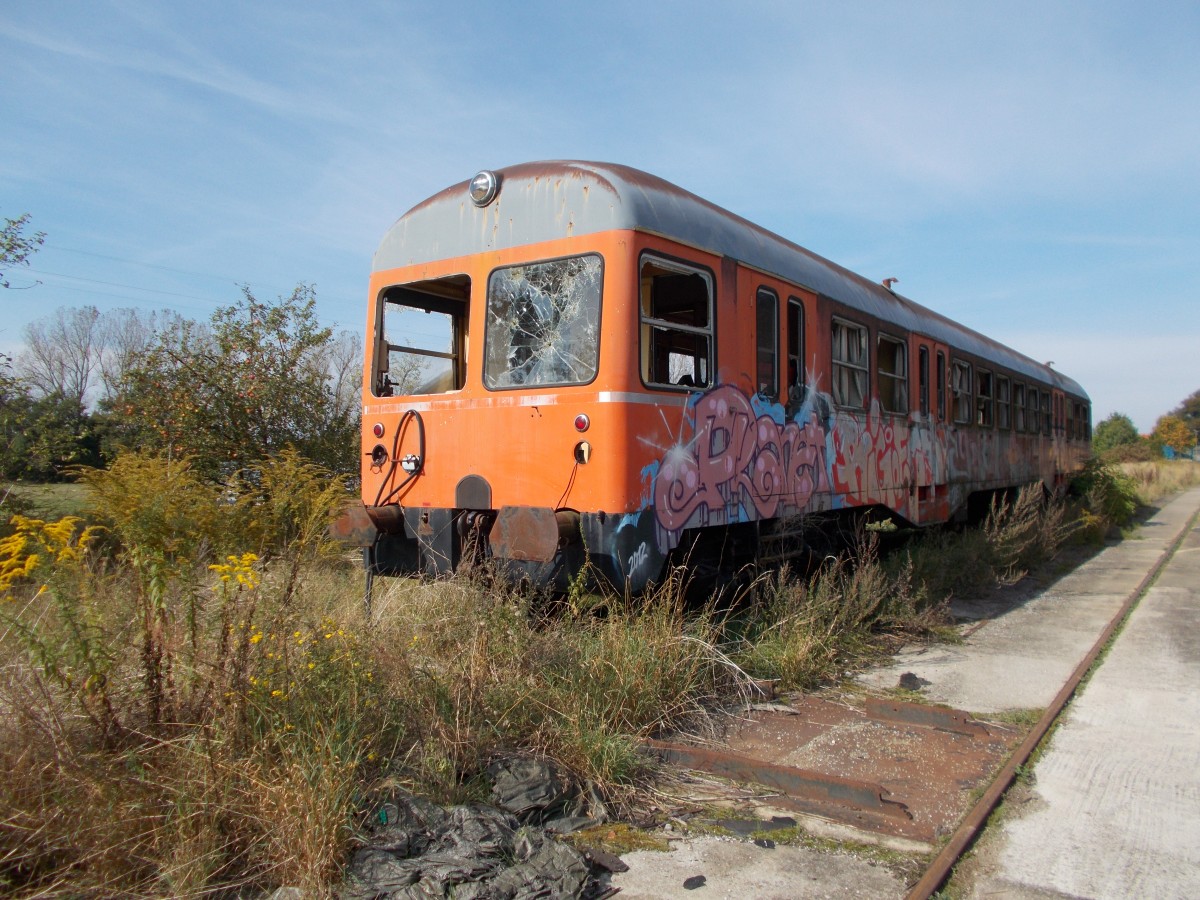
192,697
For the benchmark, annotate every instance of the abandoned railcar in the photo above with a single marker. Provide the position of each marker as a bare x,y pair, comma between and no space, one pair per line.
572,361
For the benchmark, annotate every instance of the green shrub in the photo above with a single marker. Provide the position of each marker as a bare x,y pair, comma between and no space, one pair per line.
1109,497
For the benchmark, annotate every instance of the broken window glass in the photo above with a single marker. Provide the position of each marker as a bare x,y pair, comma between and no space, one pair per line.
983,399
960,387
543,323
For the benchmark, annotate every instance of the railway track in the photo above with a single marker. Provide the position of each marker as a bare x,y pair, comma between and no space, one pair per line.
920,778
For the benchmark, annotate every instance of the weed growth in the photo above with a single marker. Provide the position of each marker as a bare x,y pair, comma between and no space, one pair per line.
192,698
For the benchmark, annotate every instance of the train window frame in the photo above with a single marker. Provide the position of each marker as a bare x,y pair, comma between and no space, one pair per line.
985,400
1003,402
891,386
766,341
446,300
852,369
498,371
663,365
1033,416
961,390
1046,413
1019,407
795,354
941,385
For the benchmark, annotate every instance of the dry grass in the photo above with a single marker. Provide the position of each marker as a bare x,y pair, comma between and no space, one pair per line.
1154,481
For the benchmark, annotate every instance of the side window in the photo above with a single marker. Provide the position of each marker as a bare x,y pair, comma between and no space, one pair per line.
795,354
891,366
1069,409
923,378
1031,420
1003,402
766,317
676,324
851,371
1019,420
960,386
983,399
1045,413
941,386
543,323
421,338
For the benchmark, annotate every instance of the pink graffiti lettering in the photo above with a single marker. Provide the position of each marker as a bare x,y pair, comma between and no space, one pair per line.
738,466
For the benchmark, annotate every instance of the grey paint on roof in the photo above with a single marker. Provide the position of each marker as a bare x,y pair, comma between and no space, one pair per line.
549,200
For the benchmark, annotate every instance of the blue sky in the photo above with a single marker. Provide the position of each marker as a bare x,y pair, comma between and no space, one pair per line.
1030,169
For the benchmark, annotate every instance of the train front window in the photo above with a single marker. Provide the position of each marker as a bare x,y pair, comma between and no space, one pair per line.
421,337
676,324
543,323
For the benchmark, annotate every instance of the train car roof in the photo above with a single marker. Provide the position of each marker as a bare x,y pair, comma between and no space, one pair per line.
542,201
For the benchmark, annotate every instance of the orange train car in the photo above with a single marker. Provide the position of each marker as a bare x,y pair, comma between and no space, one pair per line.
574,361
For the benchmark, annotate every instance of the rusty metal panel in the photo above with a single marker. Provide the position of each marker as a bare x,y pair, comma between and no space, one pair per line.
798,783
939,717
354,527
527,533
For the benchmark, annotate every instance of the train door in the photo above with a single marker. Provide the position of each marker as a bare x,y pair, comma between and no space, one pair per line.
1058,444
927,434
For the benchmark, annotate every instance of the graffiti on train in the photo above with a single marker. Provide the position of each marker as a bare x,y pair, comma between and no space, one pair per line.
740,464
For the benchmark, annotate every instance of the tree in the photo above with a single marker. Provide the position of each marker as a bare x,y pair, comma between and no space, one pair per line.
1173,432
1189,411
15,246
61,353
124,336
43,437
251,382
1116,430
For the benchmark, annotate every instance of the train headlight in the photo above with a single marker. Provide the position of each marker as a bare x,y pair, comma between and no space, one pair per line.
582,422
484,187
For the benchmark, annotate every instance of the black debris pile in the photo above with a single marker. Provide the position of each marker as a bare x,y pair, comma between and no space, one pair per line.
418,850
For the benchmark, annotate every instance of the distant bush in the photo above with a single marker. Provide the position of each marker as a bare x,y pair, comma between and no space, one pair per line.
1139,451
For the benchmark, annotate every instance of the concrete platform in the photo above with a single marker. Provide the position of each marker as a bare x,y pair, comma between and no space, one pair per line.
1020,659
1116,801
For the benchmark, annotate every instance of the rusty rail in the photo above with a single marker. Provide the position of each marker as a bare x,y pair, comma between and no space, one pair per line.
796,783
